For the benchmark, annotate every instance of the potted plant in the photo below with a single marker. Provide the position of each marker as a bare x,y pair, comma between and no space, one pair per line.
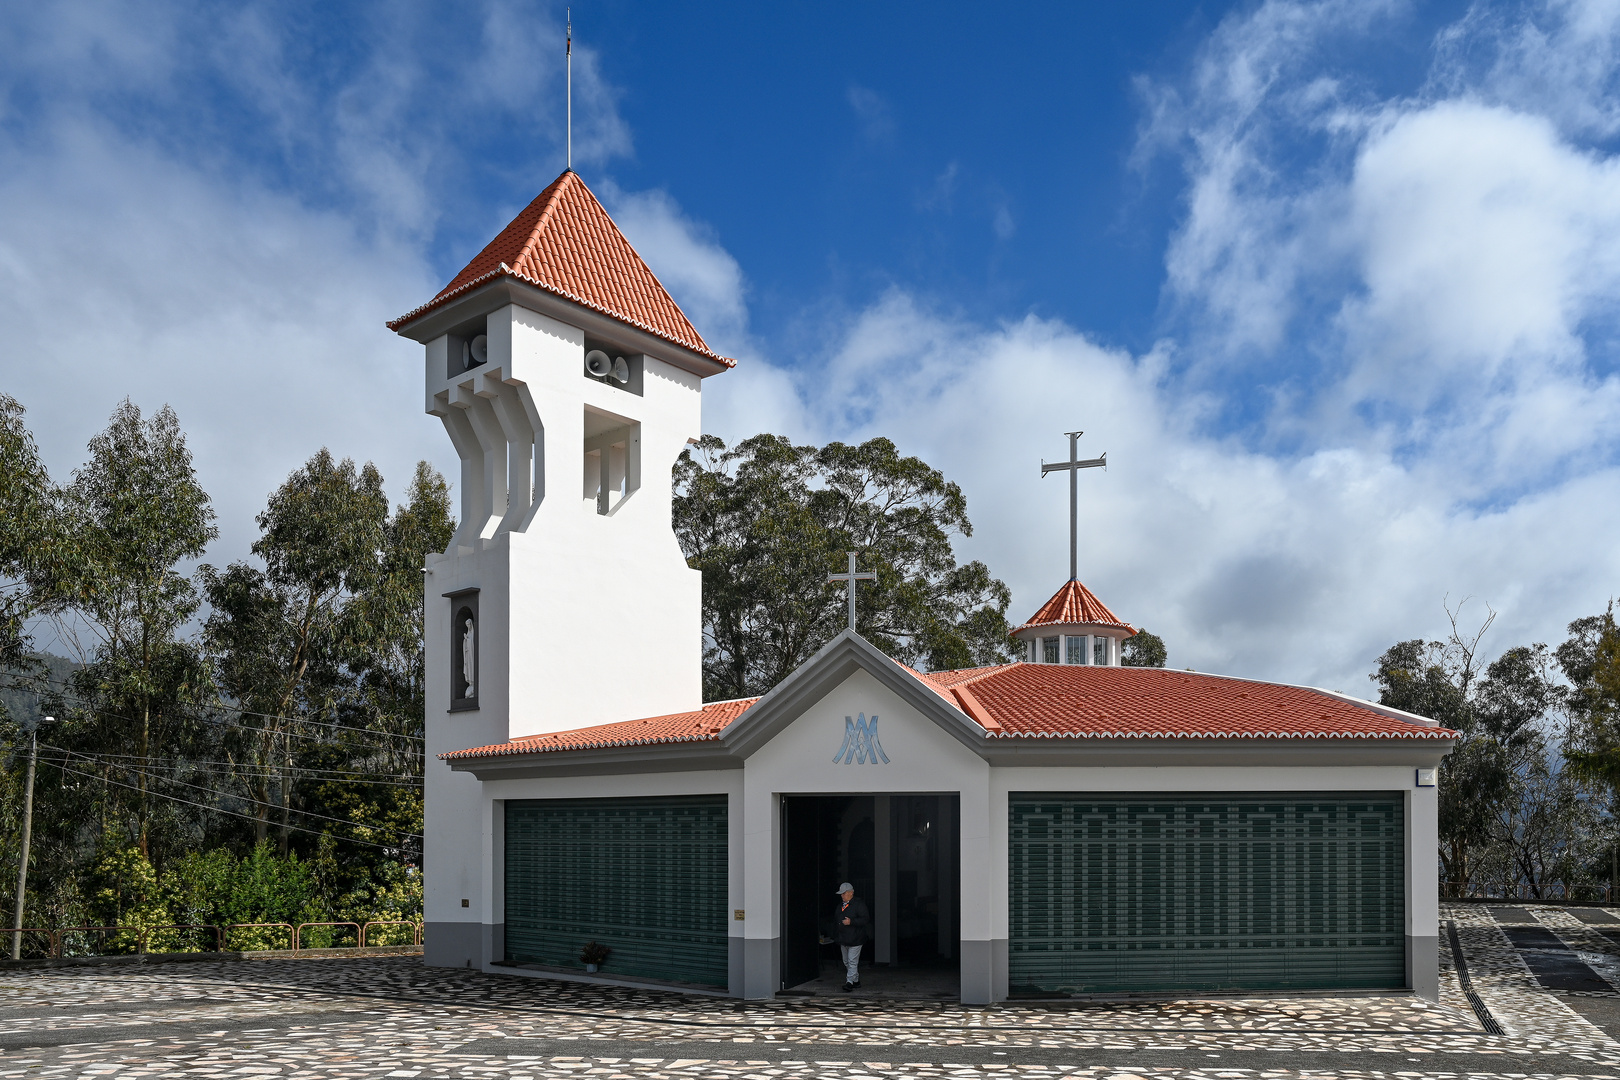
594,955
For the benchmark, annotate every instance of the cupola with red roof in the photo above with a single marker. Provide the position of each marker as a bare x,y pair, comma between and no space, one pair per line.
1074,627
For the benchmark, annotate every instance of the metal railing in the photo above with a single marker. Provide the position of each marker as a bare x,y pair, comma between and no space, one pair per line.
148,931
1523,890
57,943
416,929
359,935
50,937
292,931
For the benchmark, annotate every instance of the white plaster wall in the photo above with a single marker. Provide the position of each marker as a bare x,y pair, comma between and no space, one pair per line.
1422,859
583,619
451,843
923,758
605,615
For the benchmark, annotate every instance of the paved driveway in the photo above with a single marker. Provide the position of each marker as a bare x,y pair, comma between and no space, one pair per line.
390,1017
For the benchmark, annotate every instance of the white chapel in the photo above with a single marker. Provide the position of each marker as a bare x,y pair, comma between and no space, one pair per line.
1060,826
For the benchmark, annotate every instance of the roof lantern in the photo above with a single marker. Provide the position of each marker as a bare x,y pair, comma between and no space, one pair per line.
1074,627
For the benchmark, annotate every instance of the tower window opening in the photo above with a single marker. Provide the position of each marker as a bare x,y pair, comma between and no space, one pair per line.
1099,651
1074,650
1049,646
612,460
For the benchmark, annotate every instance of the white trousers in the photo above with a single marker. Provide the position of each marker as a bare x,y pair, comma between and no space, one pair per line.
852,962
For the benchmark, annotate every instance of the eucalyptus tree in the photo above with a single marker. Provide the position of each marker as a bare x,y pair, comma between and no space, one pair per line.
370,780
1143,649
134,514
1432,679
29,535
279,636
1590,660
767,521
132,517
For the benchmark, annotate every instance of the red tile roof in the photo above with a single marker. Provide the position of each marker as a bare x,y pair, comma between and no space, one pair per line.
1056,701
1074,603
705,723
565,243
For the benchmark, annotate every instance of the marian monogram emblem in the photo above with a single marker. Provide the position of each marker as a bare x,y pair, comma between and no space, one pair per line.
860,742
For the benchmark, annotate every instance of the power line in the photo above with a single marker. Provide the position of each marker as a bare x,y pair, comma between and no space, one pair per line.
290,734
216,809
232,795
236,709
357,775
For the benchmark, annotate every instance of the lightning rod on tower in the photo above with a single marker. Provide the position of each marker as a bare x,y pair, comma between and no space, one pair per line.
568,60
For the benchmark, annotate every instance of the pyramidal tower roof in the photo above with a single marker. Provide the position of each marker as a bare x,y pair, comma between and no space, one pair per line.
565,243
1074,603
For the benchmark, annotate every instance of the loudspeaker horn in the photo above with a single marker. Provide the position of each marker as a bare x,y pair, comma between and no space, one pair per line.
598,363
621,370
480,349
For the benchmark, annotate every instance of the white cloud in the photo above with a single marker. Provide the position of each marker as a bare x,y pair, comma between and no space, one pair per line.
260,321
1415,288
699,273
1294,568
874,112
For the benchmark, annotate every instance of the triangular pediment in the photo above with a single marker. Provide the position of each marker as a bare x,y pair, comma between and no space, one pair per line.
825,671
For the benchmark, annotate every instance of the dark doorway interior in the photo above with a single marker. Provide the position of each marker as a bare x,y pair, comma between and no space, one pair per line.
926,880
900,853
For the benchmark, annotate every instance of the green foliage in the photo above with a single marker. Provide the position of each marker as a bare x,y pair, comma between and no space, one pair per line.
1143,649
767,521
1508,811
279,636
157,753
29,536
122,889
133,514
1590,660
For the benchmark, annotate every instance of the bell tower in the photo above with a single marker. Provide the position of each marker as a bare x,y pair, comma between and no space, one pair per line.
568,381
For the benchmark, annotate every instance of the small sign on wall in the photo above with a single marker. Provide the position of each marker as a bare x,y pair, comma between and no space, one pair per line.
1425,777
738,914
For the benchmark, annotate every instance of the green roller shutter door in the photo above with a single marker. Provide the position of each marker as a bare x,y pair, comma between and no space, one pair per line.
647,877
1206,892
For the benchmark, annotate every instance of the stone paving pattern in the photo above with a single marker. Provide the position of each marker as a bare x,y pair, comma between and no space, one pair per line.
390,1017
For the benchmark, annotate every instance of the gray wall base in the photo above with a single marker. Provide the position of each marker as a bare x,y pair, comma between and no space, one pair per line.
736,977
1423,966
452,944
762,972
494,942
984,971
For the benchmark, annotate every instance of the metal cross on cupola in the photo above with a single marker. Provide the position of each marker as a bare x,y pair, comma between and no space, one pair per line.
852,577
1073,467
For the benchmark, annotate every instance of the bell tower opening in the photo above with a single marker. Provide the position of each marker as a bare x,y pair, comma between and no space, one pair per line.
612,460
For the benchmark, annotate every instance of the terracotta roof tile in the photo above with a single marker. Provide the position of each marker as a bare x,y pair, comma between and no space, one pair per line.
1055,701
705,724
1074,603
1059,701
565,243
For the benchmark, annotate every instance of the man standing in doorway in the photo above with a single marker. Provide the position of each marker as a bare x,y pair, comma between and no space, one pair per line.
850,925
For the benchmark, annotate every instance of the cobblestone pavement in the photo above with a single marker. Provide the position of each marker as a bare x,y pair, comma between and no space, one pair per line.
390,1017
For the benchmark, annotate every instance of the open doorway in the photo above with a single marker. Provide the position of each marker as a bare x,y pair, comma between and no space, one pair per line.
901,854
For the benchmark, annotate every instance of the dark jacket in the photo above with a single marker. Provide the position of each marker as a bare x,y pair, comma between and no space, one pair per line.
859,919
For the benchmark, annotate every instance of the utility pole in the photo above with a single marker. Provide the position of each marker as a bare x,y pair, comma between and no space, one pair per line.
32,728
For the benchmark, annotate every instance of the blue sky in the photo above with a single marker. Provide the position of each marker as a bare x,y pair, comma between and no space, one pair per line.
1333,283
